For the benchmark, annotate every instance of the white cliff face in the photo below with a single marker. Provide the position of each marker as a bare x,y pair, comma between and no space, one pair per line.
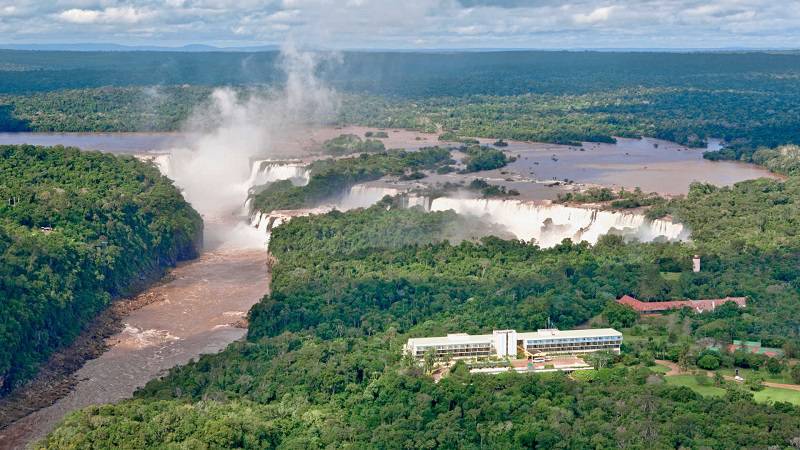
549,224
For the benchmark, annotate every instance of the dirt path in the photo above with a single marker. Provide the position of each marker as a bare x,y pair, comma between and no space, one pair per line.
674,369
201,312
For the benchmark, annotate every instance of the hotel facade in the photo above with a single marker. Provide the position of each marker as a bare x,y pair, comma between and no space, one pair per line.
509,343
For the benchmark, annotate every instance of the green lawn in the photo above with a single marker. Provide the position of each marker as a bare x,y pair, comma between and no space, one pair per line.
770,394
745,373
671,276
690,382
658,368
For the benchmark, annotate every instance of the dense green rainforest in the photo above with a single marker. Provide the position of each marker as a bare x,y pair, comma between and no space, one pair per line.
749,99
322,366
76,230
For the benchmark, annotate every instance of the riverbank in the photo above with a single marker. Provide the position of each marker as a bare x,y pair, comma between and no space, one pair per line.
56,378
198,310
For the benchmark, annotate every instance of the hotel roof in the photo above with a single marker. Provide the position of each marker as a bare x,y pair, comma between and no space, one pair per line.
553,333
456,338
463,338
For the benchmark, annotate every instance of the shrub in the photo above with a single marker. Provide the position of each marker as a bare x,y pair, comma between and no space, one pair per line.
708,362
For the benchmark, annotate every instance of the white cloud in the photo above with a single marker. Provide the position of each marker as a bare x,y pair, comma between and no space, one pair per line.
112,15
410,23
596,16
8,11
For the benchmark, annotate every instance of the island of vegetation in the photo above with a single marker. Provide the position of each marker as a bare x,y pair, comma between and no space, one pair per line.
332,177
346,144
77,230
481,157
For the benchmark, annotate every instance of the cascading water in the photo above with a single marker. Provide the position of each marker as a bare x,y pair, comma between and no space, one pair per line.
363,196
547,224
268,171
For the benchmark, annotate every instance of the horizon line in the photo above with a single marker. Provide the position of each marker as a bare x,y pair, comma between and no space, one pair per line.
199,48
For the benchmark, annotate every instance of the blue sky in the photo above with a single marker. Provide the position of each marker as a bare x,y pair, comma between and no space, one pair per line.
408,23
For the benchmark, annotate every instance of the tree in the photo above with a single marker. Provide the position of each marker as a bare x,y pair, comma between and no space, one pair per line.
600,360
719,379
754,382
429,360
620,316
775,366
701,378
794,373
684,357
708,362
791,349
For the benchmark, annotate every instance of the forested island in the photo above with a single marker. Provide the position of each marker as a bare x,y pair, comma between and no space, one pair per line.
332,177
322,364
77,230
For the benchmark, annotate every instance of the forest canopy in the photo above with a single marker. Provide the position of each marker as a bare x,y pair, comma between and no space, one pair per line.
78,229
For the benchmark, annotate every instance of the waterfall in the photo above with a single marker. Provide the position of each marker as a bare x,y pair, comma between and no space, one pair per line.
363,196
270,221
549,224
267,171
164,163
546,223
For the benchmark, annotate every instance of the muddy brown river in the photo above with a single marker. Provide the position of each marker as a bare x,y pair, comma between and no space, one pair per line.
197,314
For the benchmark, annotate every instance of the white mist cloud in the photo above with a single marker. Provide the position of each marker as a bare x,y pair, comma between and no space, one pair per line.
213,165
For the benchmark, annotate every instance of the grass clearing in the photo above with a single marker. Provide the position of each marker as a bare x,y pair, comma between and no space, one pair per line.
658,368
746,373
671,276
691,382
771,394
766,395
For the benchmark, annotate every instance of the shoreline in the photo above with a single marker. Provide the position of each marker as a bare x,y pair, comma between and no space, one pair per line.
173,321
56,378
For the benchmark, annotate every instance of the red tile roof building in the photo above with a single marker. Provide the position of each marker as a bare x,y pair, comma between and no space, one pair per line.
697,305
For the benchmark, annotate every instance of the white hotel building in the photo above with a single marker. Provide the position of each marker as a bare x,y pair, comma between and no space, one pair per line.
509,343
